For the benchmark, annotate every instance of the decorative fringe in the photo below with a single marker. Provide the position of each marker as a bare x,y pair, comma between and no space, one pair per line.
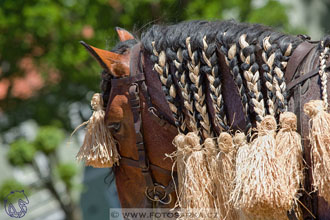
181,154
195,184
211,153
225,186
260,188
289,154
319,137
99,147
243,149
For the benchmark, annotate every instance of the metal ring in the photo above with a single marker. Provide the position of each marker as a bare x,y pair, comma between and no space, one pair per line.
136,87
153,111
169,200
157,199
152,198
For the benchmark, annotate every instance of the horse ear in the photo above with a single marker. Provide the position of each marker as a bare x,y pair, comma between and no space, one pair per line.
123,34
117,64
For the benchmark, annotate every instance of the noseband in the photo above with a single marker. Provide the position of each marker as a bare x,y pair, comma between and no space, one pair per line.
136,86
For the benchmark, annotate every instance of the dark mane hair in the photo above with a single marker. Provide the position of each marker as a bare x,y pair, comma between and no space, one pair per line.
195,45
175,35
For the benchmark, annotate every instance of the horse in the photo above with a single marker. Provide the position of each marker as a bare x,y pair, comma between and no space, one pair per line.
207,77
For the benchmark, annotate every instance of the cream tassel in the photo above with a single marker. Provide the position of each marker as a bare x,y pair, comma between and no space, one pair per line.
242,154
195,185
99,147
226,171
289,154
211,152
260,184
319,137
181,153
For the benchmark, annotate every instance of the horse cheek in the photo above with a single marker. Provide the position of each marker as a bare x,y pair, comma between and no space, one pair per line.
116,114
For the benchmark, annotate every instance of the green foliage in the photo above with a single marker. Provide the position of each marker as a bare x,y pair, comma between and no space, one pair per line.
272,14
12,185
48,139
66,172
21,152
197,10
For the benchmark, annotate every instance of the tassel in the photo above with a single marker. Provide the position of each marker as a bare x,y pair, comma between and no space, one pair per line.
226,158
211,152
196,186
289,153
243,149
319,137
99,147
181,153
260,184
218,188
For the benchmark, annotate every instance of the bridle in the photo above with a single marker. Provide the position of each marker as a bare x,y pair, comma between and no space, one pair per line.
136,85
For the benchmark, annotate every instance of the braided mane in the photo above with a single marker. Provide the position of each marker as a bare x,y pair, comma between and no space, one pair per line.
186,56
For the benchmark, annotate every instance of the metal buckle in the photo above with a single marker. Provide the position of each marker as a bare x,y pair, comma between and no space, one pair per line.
136,89
156,196
153,111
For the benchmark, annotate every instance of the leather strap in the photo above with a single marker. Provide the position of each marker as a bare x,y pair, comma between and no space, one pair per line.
297,57
172,184
161,121
134,99
303,77
127,80
136,86
135,163
292,71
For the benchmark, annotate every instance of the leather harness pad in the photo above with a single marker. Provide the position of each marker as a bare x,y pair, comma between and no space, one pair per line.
297,57
303,65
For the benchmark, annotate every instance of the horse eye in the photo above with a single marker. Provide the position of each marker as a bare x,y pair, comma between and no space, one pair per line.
115,126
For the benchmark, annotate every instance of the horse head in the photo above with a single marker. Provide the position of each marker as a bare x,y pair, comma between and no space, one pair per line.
132,185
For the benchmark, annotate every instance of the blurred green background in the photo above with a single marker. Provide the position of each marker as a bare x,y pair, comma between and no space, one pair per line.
47,80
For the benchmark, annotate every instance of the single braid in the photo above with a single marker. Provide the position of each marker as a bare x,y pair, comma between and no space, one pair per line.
322,72
180,75
171,56
280,89
168,87
252,76
268,56
211,70
279,84
199,95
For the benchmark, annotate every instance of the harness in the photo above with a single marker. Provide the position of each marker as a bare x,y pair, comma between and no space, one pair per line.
295,76
135,84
